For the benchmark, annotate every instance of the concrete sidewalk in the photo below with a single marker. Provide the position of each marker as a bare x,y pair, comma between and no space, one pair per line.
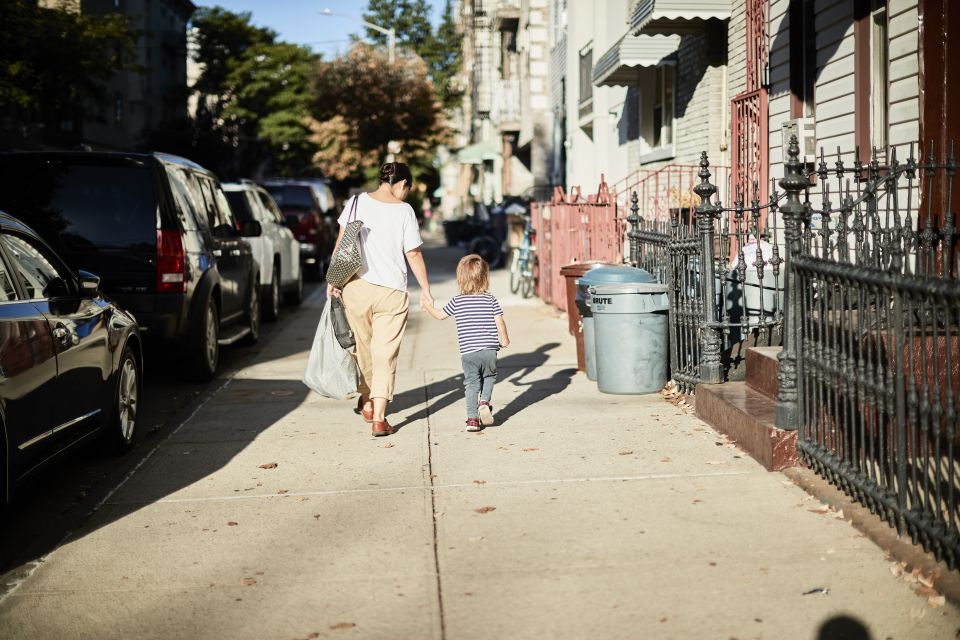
271,513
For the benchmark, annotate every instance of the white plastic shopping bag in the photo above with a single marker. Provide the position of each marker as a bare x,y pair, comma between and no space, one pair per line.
331,370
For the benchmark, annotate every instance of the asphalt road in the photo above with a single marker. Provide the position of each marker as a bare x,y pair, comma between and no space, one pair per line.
44,512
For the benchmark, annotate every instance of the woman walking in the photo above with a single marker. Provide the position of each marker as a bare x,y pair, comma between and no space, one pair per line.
376,299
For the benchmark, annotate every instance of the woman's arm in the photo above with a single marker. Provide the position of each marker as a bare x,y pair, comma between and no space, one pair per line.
419,268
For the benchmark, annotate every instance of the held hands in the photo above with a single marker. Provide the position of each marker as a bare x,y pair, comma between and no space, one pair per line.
332,291
426,300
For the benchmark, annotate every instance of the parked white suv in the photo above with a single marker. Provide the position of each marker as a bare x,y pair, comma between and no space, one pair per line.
276,250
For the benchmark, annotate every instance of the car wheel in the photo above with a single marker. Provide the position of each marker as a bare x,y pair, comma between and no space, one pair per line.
253,313
126,403
271,311
204,350
295,296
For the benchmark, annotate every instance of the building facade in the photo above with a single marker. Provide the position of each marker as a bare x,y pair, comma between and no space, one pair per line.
505,120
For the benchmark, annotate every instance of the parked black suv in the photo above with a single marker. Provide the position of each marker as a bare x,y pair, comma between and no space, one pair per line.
158,231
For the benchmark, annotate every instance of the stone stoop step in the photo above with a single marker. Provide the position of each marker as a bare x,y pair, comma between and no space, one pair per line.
746,416
763,370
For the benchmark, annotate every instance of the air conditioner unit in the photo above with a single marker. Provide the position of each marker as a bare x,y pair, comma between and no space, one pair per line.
806,131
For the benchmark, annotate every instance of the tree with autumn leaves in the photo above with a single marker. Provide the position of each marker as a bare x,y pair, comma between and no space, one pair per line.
364,105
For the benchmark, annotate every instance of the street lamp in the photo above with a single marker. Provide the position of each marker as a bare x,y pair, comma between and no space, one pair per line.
390,33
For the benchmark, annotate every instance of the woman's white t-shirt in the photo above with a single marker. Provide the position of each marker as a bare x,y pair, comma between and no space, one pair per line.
390,229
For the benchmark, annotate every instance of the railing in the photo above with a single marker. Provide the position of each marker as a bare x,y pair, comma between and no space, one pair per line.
874,338
722,265
568,230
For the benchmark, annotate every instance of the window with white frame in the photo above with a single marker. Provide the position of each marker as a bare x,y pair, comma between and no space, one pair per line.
663,108
879,74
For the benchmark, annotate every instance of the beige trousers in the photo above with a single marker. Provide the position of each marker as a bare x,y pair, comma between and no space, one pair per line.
378,317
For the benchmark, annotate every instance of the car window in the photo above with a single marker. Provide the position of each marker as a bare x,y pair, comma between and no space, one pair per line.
191,210
78,204
240,205
36,268
226,216
218,209
271,206
7,290
296,196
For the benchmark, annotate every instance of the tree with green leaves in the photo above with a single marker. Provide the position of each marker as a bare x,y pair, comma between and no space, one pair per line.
410,19
445,57
55,63
269,95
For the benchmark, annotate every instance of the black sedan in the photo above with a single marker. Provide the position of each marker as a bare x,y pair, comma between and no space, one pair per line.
71,361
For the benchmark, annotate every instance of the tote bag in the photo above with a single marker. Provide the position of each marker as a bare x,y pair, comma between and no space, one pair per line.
348,259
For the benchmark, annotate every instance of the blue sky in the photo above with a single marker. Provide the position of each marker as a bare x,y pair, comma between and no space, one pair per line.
300,22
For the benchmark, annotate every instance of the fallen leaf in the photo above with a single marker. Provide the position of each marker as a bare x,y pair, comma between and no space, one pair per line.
714,462
269,465
232,523
479,482
316,516
343,625
625,452
283,491
823,508
485,509
530,449
248,582
666,459
503,449
387,445
313,635
937,601
896,570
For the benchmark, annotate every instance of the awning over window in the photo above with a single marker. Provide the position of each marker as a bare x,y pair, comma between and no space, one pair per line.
477,153
675,16
619,65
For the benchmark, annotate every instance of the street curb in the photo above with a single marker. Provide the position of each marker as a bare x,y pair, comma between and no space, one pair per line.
898,548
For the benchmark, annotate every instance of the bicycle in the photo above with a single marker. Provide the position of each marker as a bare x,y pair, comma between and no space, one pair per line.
523,261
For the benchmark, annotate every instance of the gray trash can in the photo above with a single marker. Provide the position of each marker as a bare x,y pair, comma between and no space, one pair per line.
619,274
631,336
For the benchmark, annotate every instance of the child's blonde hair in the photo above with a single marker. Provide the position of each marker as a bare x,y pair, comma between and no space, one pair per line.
473,274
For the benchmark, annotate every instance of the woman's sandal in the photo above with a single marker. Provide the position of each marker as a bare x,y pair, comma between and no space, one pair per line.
381,428
366,415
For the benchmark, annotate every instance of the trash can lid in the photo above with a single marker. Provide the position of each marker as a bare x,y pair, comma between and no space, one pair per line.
641,288
577,269
617,274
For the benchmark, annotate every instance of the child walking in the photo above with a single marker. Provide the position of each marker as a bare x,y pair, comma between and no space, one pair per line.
481,332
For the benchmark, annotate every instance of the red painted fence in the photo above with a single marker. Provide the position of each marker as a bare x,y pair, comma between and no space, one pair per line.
570,229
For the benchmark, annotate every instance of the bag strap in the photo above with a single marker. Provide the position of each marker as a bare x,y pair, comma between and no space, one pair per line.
353,209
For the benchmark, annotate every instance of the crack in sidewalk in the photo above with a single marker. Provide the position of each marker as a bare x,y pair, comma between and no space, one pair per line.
433,509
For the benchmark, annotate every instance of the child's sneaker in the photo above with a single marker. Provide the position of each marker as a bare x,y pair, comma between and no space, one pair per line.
473,424
485,409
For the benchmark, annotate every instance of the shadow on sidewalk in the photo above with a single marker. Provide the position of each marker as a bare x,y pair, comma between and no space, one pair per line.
513,369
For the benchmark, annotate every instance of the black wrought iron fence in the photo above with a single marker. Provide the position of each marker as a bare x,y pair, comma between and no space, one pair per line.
724,272
871,365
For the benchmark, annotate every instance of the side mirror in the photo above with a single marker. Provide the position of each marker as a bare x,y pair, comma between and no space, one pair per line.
56,288
251,229
89,285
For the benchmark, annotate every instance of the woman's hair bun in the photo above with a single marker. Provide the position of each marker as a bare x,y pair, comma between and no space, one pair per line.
387,171
391,172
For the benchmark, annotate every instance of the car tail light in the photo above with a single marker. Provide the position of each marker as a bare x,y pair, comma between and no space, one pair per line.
171,262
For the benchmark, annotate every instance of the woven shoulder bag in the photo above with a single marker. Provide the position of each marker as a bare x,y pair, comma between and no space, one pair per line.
348,259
